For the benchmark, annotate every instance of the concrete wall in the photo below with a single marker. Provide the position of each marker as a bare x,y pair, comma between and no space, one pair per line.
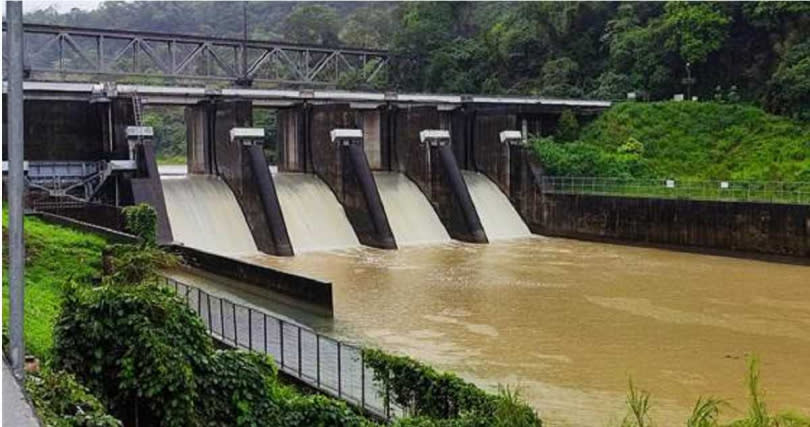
491,156
62,130
743,227
199,137
290,288
146,188
289,123
370,122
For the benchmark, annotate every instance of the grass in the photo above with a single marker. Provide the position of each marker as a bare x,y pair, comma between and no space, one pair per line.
684,140
171,160
54,256
706,412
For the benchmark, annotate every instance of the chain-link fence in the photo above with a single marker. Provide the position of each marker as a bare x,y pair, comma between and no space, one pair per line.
329,365
749,191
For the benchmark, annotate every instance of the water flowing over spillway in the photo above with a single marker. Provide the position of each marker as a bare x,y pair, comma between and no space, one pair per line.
204,214
410,215
315,219
498,216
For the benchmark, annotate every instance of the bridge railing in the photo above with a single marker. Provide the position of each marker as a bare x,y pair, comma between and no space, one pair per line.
76,54
797,192
333,367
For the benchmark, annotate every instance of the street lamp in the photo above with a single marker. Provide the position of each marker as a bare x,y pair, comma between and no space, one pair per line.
688,81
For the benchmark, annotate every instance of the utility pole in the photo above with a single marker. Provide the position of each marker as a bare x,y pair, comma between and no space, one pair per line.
16,184
244,79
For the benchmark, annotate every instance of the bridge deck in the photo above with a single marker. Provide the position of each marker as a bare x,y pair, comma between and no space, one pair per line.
189,95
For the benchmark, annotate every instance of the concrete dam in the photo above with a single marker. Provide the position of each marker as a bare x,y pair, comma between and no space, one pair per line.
415,218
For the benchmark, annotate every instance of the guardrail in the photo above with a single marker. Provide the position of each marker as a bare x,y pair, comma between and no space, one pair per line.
326,364
744,191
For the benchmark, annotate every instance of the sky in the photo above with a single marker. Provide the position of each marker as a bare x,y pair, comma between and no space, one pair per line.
59,5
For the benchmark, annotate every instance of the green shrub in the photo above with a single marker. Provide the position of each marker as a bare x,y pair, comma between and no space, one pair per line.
137,347
238,389
60,401
319,411
567,127
149,358
141,220
579,159
135,264
424,392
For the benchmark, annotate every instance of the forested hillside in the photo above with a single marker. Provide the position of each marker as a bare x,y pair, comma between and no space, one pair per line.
756,51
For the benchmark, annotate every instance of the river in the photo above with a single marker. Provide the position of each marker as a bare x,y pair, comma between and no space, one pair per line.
570,322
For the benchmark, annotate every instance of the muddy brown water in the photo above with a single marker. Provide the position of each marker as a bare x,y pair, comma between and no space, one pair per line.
569,322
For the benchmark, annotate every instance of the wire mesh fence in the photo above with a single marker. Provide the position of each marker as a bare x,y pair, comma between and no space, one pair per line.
329,365
797,192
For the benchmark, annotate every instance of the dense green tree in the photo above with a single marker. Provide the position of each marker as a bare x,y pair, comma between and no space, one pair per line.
312,23
694,30
370,27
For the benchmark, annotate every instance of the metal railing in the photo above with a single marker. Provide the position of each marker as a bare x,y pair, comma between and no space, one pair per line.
326,364
748,191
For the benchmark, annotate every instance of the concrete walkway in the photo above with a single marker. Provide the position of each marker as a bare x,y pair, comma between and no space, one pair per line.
17,411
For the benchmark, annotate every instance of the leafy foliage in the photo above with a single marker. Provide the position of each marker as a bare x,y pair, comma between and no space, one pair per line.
170,131
426,393
681,140
149,358
320,411
137,264
134,265
60,401
135,346
567,127
141,220
312,23
238,388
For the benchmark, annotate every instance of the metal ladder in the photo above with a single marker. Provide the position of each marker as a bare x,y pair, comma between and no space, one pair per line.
137,109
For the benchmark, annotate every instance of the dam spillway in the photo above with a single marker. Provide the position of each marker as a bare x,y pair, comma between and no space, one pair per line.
413,220
499,218
314,218
204,214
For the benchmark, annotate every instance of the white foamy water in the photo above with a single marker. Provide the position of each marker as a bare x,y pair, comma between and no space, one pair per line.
498,217
204,214
315,219
410,215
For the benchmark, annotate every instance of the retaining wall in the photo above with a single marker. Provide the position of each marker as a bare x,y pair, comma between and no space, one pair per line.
299,290
740,227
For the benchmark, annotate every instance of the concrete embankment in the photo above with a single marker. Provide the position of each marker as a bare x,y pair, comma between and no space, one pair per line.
734,228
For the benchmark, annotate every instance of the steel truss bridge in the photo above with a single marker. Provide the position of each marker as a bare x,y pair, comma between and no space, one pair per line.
82,54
